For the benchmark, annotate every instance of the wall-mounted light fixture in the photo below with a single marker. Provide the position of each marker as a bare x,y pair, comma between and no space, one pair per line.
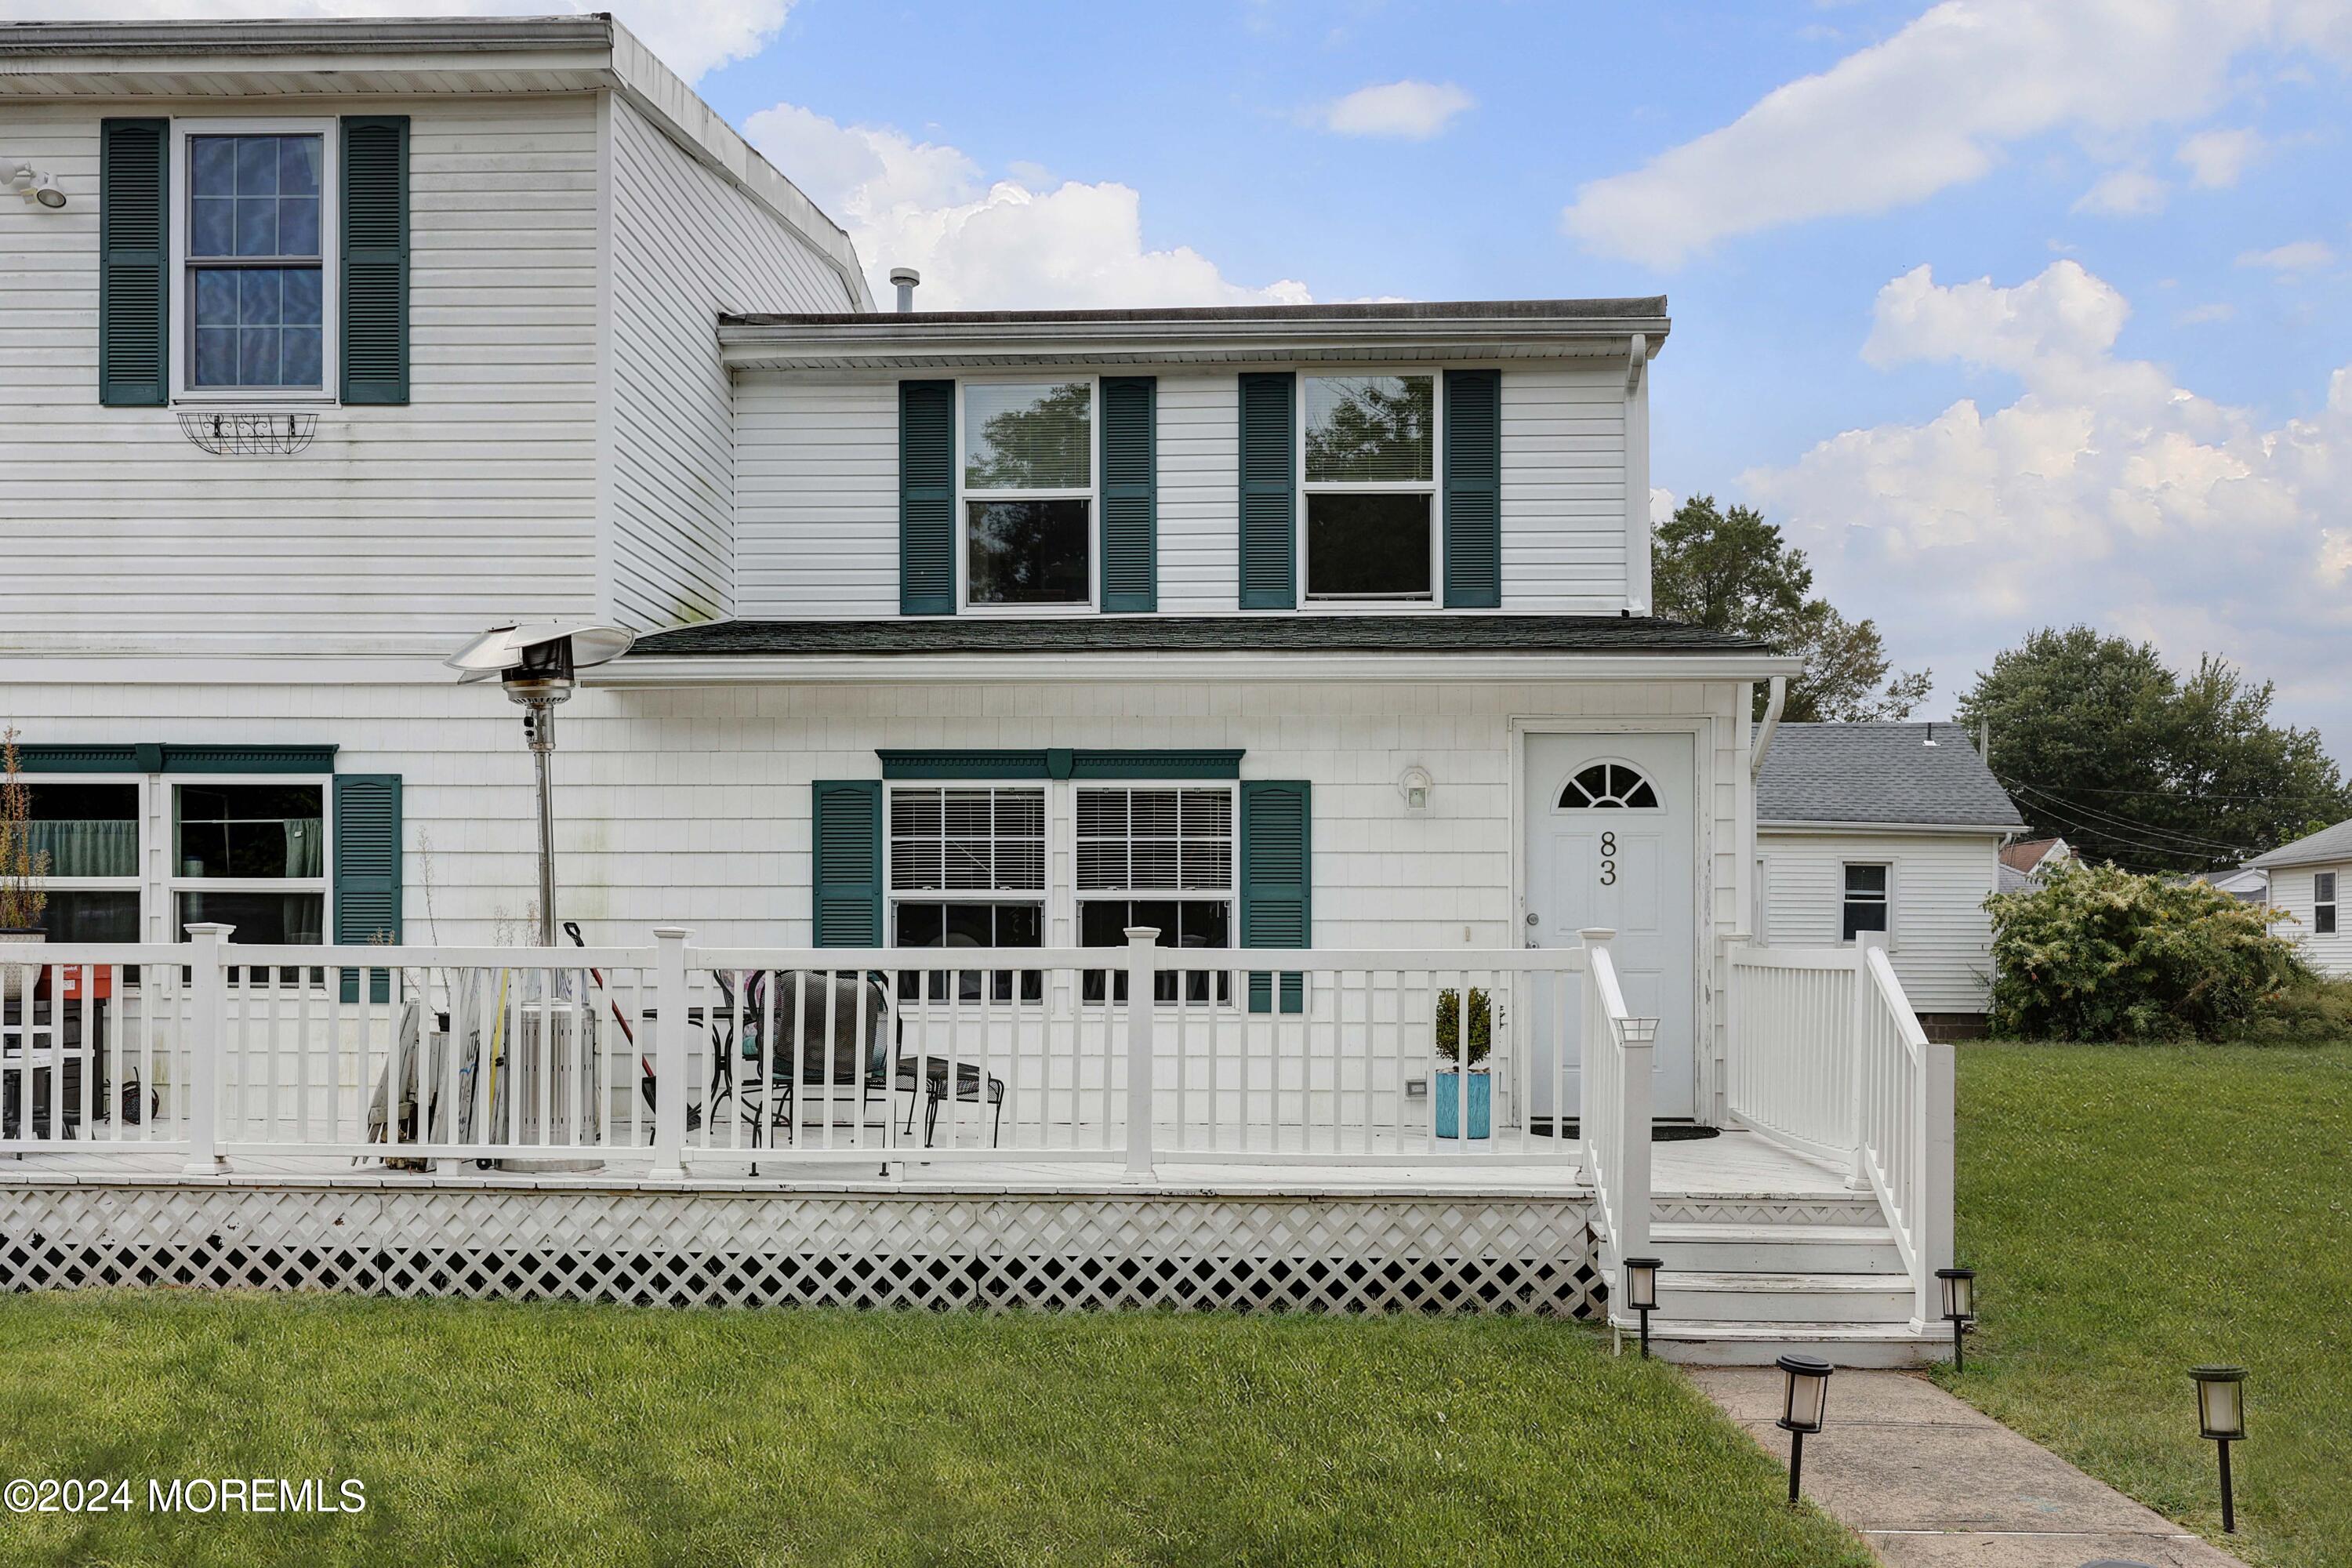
1416,785
36,185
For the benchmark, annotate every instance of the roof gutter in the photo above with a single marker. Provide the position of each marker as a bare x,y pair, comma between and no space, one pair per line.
1770,725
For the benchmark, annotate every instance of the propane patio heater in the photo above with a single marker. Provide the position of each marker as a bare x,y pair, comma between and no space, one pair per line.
539,665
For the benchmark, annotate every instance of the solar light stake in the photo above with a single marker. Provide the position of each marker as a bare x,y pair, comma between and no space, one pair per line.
2221,1416
1641,1292
1802,1404
1960,1289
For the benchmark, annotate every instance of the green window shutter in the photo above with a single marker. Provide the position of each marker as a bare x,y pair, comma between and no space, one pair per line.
1278,867
374,333
926,497
845,833
1130,519
1269,491
367,869
134,205
1473,489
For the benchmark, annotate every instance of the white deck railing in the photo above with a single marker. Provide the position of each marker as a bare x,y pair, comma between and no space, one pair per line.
659,1060
1826,1057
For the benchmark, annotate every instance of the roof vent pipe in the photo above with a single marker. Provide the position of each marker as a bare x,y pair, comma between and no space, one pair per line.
904,279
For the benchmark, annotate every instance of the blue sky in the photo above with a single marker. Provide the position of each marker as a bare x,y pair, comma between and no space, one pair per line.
2013,312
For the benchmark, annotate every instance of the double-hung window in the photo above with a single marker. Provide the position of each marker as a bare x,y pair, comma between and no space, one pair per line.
1866,900
253,856
85,835
1162,858
1368,471
1028,493
2322,903
252,243
967,869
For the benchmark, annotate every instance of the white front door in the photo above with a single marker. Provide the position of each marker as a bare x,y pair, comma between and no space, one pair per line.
1611,841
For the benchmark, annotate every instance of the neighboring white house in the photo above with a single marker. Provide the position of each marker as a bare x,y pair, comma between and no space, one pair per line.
2247,884
1886,826
2308,879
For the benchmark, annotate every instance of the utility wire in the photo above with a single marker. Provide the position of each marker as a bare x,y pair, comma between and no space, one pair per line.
2129,822
2108,836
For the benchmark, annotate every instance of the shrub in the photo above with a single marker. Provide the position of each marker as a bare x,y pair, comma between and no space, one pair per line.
1449,1025
2097,953
2308,1009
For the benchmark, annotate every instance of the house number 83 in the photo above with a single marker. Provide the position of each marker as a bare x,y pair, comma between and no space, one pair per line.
1608,859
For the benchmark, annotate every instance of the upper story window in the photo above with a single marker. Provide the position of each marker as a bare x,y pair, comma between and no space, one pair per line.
252,237
1028,492
1368,474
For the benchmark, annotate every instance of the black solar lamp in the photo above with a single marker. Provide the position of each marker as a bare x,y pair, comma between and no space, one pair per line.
1802,1404
2221,1419
1641,1278
1960,1291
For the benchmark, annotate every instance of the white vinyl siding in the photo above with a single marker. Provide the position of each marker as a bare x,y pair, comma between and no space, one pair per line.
817,498
687,246
402,527
1200,478
1940,936
1564,475
2293,889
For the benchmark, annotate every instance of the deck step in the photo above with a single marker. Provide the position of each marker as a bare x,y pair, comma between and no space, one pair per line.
1754,1343
1757,1296
1776,1249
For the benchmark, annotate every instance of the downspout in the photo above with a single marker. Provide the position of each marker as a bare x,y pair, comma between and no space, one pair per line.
1769,723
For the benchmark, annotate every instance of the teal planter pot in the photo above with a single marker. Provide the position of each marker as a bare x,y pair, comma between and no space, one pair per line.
1449,1104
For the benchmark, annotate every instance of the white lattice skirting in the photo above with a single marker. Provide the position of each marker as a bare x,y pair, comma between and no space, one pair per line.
1333,1254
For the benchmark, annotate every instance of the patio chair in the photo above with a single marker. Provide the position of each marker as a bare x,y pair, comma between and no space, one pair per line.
798,1004
932,1078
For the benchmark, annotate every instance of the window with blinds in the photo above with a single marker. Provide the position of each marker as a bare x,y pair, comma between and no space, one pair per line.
1162,857
967,869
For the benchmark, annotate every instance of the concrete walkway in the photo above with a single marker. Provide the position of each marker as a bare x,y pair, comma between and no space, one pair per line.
1929,1482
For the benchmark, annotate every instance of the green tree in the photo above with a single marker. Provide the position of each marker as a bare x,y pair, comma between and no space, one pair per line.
2103,744
1732,572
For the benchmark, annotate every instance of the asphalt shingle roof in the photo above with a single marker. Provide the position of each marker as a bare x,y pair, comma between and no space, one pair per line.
2328,844
1880,773
1209,633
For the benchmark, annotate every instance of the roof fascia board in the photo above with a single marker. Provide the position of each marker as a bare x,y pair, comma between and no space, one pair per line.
2280,859
654,670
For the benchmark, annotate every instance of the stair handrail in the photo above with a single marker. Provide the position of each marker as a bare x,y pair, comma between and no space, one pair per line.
1903,1103
1615,1114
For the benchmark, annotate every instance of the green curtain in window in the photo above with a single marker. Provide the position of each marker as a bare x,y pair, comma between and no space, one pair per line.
87,848
306,843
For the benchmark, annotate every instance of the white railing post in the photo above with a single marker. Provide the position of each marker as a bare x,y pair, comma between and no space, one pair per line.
1857,1032
208,1022
669,1054
1936,1103
1141,985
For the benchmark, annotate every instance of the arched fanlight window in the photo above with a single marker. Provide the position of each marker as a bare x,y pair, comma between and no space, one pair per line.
1608,784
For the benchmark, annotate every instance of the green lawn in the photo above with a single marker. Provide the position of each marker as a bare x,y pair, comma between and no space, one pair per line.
515,1434
2133,1210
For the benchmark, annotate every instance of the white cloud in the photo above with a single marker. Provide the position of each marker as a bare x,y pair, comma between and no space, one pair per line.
2200,315
2103,492
2301,256
988,245
1414,111
692,37
1661,505
1936,105
2123,193
2215,159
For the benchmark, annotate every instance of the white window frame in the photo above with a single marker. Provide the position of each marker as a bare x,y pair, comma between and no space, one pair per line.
1230,895
2329,904
893,895
174,884
1091,495
183,334
137,883
1381,605
1845,895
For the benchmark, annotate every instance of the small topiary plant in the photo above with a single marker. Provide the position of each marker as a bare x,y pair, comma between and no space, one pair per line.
2098,954
1449,1025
